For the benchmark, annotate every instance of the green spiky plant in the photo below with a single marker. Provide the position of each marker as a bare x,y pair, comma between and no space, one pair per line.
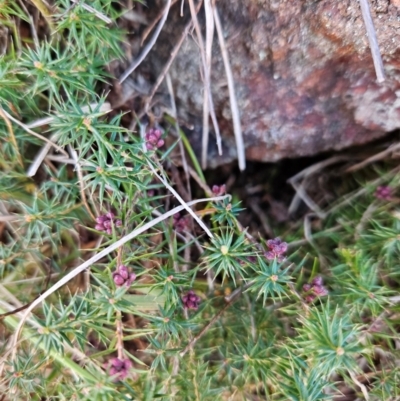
256,326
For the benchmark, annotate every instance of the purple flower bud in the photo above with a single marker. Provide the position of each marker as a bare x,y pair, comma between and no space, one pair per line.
153,139
106,222
219,190
270,255
123,271
180,223
118,280
320,290
384,192
315,289
101,219
117,363
277,249
309,298
317,281
119,368
122,276
131,279
190,300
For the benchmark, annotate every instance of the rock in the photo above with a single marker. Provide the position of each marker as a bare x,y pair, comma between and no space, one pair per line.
304,76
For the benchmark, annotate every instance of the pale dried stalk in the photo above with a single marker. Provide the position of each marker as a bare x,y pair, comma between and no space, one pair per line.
148,47
237,128
153,24
167,66
206,114
35,134
92,10
79,173
373,41
181,147
99,256
12,137
207,85
38,160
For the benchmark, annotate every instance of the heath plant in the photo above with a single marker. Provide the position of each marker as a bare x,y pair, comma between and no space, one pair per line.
118,284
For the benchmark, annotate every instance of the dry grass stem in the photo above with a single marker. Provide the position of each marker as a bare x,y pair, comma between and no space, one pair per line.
181,146
172,190
206,77
237,128
42,7
99,256
206,113
363,190
374,158
149,46
79,173
40,156
12,136
167,66
153,24
373,41
27,129
360,385
301,193
92,10
263,218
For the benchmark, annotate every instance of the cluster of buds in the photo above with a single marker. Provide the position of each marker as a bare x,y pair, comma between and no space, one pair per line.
122,276
315,289
191,300
106,222
180,223
219,190
119,368
153,139
276,249
384,192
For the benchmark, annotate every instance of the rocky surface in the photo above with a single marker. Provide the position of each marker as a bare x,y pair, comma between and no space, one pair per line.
303,71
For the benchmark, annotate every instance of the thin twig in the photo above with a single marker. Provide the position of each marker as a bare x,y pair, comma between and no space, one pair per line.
79,269
148,47
237,128
373,41
206,75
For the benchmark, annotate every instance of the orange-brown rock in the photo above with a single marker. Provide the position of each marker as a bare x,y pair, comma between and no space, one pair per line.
304,76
